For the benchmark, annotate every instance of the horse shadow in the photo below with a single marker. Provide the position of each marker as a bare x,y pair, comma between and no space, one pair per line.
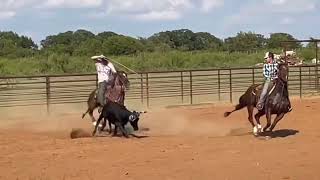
282,133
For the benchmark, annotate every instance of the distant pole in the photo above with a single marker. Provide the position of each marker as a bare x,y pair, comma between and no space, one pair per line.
317,80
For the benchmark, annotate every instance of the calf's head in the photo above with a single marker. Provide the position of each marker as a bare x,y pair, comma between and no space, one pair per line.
133,119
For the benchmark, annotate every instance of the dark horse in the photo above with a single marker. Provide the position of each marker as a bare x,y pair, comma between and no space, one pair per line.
115,92
277,101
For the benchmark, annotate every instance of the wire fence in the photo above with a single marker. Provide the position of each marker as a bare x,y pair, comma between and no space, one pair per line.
151,88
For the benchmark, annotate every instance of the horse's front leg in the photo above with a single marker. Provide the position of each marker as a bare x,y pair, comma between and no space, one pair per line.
258,128
276,120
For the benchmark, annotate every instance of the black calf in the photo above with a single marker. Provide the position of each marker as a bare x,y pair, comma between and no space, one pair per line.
118,115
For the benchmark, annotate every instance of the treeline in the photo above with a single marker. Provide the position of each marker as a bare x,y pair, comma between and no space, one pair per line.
86,43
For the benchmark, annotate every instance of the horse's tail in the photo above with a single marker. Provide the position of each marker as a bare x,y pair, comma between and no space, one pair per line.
91,103
239,106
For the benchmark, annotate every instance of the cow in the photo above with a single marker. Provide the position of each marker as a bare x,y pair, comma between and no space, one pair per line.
118,115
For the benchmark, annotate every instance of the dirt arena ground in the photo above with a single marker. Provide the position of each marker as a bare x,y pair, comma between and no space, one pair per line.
182,143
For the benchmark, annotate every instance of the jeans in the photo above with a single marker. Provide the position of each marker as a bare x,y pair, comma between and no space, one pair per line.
101,98
263,94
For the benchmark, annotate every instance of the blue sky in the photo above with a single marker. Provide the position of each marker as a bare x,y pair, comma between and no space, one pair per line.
222,18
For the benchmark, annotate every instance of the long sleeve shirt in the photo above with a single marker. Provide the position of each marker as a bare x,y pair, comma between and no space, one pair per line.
270,70
104,71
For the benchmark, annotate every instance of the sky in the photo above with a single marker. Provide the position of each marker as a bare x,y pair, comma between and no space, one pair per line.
142,18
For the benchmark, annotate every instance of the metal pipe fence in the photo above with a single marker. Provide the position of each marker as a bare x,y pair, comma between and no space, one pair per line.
149,88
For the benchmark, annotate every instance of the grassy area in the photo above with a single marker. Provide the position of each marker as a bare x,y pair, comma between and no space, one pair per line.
173,60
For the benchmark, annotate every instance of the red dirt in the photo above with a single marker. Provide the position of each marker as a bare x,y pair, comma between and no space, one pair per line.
183,143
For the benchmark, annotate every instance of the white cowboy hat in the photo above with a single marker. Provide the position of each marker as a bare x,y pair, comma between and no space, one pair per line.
266,55
100,57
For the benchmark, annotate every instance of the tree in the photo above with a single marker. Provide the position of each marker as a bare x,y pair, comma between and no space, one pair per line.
105,35
275,39
13,45
122,45
245,41
184,39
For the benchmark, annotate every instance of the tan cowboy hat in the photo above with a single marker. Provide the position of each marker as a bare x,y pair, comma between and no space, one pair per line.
266,55
99,58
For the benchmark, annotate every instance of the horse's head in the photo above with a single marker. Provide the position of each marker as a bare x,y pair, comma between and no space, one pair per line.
122,79
283,71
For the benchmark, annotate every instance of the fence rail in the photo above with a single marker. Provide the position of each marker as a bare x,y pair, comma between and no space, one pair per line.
151,88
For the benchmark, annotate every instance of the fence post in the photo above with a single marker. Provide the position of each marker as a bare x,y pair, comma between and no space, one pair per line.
230,78
48,93
97,84
182,90
300,78
141,87
191,98
219,85
147,79
253,78
317,76
309,77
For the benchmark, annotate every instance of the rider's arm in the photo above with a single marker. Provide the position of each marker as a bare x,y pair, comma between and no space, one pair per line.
112,67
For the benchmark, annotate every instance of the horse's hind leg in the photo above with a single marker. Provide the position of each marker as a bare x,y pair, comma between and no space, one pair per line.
268,114
250,115
110,128
276,120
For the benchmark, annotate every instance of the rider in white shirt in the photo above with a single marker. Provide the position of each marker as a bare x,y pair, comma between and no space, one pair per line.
105,70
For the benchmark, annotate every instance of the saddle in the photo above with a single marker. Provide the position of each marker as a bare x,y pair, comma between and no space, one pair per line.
113,93
258,89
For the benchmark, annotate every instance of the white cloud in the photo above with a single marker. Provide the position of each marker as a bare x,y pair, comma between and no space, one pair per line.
292,6
159,9
149,9
163,15
137,9
71,3
274,12
287,21
7,14
208,5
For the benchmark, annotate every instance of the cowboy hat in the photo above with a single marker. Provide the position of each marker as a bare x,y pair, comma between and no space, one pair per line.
268,54
100,57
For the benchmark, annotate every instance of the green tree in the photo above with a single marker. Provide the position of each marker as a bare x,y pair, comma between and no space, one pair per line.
122,45
12,45
274,42
184,39
245,41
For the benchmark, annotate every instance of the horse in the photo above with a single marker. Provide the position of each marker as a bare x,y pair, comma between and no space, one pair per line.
277,101
115,92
